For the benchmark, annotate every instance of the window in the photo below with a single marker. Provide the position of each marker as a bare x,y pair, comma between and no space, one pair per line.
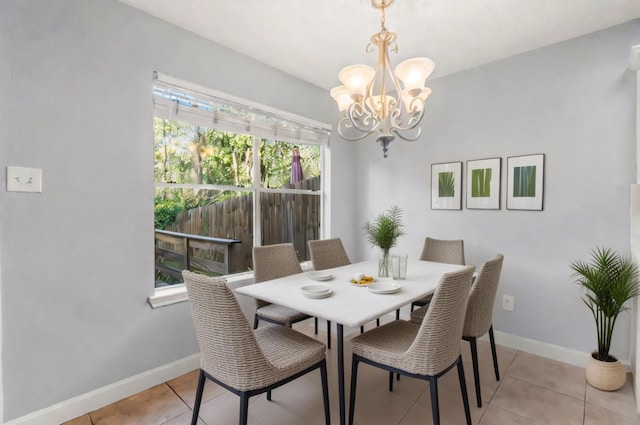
229,176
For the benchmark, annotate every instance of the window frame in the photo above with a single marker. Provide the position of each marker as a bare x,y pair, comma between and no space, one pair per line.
172,294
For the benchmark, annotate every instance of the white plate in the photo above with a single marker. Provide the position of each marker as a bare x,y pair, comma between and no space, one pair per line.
317,296
315,290
320,275
384,287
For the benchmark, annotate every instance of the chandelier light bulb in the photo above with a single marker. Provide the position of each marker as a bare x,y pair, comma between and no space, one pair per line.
342,97
356,78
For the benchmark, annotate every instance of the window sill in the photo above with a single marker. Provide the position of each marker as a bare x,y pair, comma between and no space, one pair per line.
168,295
174,294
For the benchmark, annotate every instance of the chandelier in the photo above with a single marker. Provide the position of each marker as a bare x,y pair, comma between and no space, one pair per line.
383,101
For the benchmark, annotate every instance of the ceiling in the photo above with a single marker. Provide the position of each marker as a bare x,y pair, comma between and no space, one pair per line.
314,39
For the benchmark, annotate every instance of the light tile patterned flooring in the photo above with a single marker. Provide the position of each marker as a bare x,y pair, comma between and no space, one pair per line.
532,391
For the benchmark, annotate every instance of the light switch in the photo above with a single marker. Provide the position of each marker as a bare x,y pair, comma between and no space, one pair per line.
21,179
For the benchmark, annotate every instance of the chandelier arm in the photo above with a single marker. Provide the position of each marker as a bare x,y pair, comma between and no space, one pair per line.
406,138
349,138
412,122
357,114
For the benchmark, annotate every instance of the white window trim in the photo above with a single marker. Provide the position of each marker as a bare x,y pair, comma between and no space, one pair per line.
169,295
173,294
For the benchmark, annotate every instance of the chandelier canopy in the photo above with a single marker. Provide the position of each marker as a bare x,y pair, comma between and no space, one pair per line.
383,101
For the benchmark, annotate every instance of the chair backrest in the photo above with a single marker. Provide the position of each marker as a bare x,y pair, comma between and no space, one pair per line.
273,261
328,253
229,350
443,251
437,344
482,297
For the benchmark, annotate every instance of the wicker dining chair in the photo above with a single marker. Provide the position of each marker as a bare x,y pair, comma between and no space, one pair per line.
327,254
425,351
271,262
479,317
244,361
440,251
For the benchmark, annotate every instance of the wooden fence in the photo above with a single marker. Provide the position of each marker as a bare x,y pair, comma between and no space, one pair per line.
293,218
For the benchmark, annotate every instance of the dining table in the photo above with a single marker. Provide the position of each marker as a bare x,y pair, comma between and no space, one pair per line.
348,304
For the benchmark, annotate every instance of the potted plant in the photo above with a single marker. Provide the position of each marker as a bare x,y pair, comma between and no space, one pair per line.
610,280
383,232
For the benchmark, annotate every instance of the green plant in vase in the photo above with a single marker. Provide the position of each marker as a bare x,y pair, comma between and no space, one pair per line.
609,280
383,232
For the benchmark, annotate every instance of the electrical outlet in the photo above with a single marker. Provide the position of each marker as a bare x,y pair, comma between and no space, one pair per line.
21,179
508,302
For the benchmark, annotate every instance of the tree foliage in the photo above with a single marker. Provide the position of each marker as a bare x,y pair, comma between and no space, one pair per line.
191,154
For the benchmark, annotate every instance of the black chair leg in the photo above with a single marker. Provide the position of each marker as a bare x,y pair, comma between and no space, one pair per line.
476,372
328,334
361,329
435,408
398,314
390,381
315,319
463,389
269,395
378,322
494,353
244,408
354,378
325,392
196,404
412,305
255,322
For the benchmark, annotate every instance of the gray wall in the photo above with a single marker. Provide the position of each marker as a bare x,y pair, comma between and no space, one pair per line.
574,102
77,260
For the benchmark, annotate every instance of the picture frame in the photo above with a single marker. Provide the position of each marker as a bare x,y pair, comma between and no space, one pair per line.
525,182
446,186
483,183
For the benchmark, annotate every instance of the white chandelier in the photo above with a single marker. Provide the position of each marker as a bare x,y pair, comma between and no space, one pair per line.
383,101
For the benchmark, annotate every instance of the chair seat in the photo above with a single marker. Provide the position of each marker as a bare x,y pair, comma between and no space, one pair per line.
287,350
278,313
418,315
387,343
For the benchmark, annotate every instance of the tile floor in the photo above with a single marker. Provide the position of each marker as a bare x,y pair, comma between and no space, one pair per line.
532,390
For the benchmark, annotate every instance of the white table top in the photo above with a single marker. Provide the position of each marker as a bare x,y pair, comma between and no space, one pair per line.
351,305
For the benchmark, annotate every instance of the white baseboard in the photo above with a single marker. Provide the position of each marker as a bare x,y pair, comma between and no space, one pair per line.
81,405
543,349
88,402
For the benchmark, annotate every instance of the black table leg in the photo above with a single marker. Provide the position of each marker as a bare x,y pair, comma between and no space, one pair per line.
341,372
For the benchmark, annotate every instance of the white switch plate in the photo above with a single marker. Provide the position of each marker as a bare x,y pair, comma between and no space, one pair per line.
508,302
21,179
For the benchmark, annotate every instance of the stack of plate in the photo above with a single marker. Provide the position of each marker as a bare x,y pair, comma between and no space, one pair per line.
319,275
384,287
316,291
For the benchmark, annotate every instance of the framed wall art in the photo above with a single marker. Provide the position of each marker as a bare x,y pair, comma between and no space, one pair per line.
483,184
525,182
446,186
